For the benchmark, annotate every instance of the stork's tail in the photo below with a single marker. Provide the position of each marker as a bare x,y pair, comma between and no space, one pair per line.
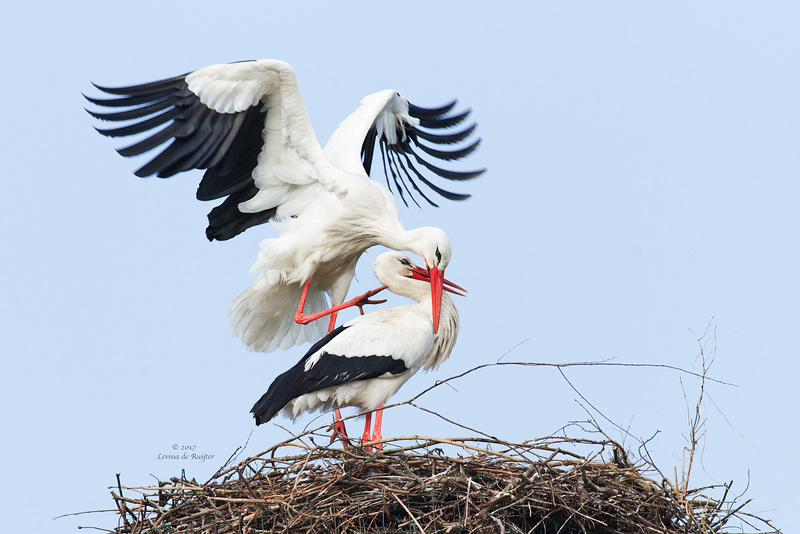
263,316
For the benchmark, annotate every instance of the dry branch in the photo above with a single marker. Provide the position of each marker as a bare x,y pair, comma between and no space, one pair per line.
414,485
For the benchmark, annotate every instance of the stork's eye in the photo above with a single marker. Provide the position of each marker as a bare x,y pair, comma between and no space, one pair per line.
405,262
438,257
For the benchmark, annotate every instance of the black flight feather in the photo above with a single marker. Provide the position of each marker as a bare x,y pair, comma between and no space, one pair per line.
225,144
397,163
329,371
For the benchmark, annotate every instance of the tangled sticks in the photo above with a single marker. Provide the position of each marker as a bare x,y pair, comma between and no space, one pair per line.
542,485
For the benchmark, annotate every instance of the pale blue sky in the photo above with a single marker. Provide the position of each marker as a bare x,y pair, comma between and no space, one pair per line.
643,181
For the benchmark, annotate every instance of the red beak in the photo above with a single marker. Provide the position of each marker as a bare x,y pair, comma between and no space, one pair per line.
438,284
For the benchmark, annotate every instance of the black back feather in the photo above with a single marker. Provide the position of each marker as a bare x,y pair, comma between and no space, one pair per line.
329,371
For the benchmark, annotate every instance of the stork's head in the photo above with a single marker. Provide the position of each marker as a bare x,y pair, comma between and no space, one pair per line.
400,275
434,247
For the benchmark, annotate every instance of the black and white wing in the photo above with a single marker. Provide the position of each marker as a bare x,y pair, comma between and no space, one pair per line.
245,124
227,119
411,139
327,364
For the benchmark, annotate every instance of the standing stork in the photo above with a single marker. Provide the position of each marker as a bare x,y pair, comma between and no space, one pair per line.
365,361
246,125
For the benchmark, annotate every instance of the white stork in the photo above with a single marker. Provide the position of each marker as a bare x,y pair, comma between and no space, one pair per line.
246,125
365,361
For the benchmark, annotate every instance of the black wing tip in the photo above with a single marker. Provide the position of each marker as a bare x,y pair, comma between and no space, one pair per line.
449,195
98,86
142,88
450,155
226,221
260,417
430,126
116,91
420,112
212,234
221,234
460,176
445,139
95,100
95,114
443,122
264,409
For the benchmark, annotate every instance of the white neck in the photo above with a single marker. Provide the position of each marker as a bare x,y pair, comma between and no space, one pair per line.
410,288
402,239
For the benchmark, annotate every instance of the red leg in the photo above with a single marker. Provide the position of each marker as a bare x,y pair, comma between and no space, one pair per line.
339,430
367,424
337,426
359,301
376,435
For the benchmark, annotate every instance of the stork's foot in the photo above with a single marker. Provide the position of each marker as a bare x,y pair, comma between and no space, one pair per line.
365,437
338,431
377,437
376,434
364,299
376,447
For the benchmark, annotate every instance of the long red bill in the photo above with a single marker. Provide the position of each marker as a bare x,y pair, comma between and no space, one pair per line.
436,278
419,273
437,283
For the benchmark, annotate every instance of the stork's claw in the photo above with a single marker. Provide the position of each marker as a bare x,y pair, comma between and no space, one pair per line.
364,303
364,299
339,431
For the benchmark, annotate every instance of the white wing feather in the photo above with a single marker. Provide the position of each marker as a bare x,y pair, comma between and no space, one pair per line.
387,110
328,209
291,158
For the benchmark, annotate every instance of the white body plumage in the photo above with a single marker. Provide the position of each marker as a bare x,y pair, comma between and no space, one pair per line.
364,362
323,243
246,124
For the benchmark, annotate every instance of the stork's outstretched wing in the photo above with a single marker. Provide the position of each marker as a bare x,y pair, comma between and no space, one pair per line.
245,124
402,152
228,119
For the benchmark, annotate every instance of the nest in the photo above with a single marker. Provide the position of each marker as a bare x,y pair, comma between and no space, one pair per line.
427,485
